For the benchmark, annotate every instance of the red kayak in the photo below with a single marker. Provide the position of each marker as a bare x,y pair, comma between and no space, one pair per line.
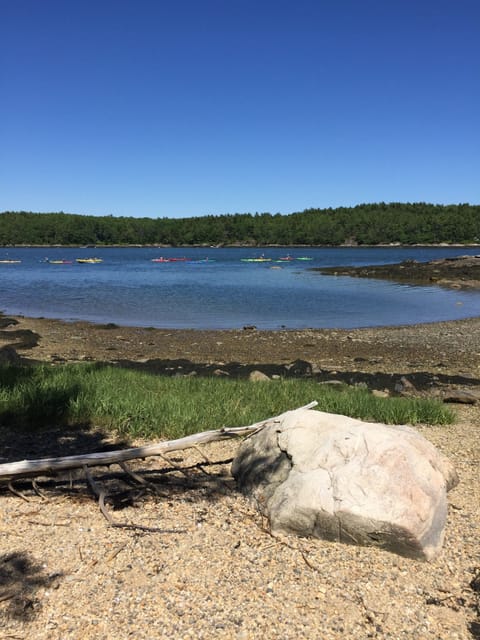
162,259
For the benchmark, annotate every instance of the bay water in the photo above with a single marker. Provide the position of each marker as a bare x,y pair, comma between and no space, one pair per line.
225,292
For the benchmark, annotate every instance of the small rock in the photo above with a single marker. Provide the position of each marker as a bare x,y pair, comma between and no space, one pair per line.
55,358
380,394
361,385
460,396
404,386
258,376
221,373
299,368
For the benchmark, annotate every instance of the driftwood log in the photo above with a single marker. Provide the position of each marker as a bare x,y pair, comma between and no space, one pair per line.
50,466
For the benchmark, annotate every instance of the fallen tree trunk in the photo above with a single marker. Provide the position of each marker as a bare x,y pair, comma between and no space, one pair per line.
51,466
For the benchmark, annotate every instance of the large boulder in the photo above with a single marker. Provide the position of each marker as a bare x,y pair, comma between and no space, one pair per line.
333,477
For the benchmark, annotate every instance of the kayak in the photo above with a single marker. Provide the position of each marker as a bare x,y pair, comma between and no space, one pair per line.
162,259
89,260
58,261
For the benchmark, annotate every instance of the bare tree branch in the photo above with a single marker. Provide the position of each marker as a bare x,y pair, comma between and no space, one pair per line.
50,466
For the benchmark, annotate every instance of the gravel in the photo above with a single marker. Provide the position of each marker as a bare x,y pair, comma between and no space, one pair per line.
214,570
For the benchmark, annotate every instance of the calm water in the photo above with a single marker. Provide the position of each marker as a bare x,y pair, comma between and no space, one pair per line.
128,288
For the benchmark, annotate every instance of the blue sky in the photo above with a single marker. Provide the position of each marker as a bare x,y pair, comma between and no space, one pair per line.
186,108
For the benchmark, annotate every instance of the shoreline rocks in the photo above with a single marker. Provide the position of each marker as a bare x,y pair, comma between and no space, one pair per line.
457,272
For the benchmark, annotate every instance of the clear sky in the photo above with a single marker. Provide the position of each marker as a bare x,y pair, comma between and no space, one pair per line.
190,107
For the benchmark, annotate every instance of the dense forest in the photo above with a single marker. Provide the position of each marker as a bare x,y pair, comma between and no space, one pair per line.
365,224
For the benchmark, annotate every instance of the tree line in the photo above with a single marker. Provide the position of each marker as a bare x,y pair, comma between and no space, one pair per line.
364,224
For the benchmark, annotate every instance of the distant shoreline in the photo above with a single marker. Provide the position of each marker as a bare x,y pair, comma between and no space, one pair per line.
392,245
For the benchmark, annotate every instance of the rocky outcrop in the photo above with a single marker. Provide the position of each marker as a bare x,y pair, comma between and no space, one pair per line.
333,477
458,271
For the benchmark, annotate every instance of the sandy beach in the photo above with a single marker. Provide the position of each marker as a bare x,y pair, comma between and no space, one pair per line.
213,570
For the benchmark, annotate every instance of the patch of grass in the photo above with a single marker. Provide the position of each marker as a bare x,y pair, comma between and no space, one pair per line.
139,404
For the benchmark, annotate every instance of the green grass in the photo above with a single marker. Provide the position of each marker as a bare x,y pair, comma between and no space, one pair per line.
139,404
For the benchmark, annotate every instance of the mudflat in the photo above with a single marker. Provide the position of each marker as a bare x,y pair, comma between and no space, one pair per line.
211,569
430,354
